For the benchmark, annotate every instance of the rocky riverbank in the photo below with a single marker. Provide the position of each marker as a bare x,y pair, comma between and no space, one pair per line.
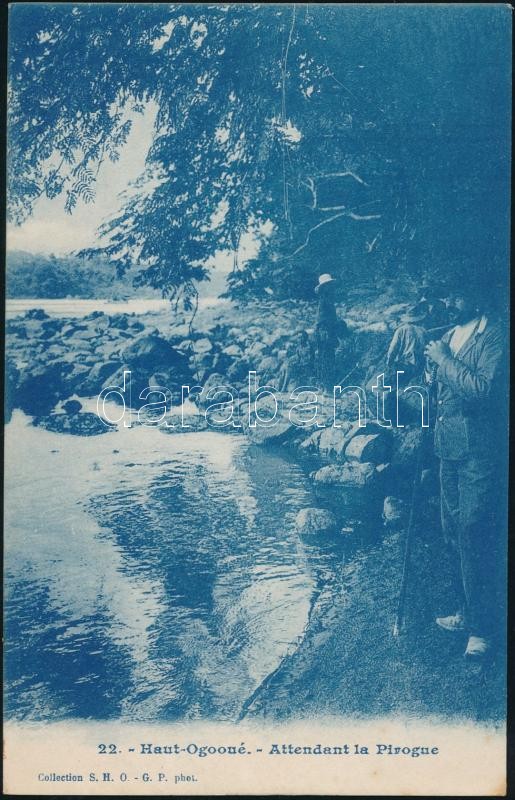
54,363
361,479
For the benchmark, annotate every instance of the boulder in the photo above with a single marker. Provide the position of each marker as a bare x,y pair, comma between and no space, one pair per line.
255,351
36,313
203,346
373,448
33,330
141,380
12,325
152,352
238,371
334,440
70,328
232,350
77,424
221,362
94,315
74,378
136,326
119,321
101,322
93,380
181,331
351,474
283,430
270,427
267,366
72,407
50,327
135,384
327,475
164,382
201,361
85,356
312,442
214,380
54,352
311,521
40,390
330,441
86,333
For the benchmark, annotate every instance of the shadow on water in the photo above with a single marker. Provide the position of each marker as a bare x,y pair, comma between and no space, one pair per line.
164,582
240,585
159,577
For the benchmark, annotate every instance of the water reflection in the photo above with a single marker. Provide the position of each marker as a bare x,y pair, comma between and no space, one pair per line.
152,576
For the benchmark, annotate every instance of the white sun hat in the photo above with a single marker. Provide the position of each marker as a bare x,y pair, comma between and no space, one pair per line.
325,278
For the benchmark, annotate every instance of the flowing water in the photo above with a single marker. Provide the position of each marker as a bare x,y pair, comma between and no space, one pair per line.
79,307
152,575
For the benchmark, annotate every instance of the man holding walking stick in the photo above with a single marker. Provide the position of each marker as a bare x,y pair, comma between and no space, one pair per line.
470,439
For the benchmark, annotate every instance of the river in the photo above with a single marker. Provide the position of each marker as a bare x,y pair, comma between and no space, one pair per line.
152,575
78,307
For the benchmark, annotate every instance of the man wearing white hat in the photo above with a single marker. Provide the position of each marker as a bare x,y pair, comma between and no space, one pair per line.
326,331
323,280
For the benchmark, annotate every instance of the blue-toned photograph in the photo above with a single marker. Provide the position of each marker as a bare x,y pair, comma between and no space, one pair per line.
256,410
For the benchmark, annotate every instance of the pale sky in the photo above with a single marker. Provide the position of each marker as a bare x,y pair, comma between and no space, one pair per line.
51,230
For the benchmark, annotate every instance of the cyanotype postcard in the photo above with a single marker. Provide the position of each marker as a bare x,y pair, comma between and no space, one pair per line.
256,439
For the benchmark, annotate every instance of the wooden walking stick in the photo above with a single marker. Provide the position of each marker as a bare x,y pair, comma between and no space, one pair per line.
342,380
400,618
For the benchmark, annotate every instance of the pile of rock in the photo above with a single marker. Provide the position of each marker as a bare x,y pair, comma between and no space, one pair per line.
53,359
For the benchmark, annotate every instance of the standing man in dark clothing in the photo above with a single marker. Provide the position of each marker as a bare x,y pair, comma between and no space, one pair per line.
298,367
470,437
326,332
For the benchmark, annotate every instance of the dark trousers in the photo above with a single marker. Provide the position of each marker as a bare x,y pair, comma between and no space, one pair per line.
473,529
326,365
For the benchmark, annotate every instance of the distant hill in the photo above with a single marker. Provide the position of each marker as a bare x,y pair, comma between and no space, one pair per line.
37,276
30,275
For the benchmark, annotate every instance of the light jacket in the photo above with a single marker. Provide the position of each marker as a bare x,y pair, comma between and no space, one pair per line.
472,396
407,345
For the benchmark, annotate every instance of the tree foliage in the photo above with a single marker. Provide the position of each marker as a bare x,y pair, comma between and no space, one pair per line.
346,139
39,276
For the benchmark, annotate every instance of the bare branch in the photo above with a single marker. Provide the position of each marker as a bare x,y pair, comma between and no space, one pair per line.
309,183
353,215
312,230
341,175
350,214
370,245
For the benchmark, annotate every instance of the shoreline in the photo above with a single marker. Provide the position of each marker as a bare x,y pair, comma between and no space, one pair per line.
348,468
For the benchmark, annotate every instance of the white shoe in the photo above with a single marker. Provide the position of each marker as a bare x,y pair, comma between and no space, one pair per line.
476,646
453,623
